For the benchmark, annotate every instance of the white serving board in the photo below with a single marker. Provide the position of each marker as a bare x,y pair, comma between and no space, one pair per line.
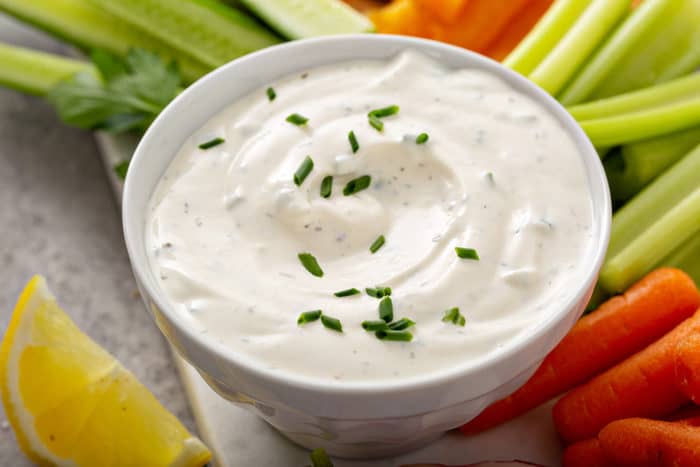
238,438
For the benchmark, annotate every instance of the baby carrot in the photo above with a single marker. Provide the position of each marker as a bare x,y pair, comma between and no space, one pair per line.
517,29
586,453
687,360
639,441
617,329
641,386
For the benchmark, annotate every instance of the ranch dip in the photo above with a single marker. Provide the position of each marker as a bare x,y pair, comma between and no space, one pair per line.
455,159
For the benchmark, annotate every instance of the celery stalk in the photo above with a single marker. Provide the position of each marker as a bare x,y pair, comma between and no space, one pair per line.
635,126
206,29
654,96
654,243
633,31
560,65
545,35
35,72
89,27
668,48
635,165
687,258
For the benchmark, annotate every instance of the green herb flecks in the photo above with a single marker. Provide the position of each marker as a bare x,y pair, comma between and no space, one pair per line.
376,123
467,253
319,458
297,119
454,316
309,317
303,171
332,323
347,292
211,143
357,184
378,291
375,116
377,325
377,244
326,186
121,168
309,262
390,335
386,310
422,138
400,325
354,145
271,94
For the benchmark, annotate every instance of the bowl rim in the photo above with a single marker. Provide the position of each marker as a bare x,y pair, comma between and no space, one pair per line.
204,344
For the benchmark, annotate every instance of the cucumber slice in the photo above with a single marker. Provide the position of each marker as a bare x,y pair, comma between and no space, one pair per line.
89,27
206,29
297,19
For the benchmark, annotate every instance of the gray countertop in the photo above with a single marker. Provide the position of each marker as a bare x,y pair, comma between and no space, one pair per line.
59,219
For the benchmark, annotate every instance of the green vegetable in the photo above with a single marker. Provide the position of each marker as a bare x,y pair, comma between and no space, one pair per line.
131,93
389,335
632,167
333,324
347,292
374,325
310,264
400,325
677,90
687,258
307,165
635,126
377,244
121,168
297,19
211,143
357,184
378,292
422,138
386,309
384,111
376,123
319,458
586,34
90,27
548,31
466,253
653,224
37,72
309,317
454,316
297,119
271,94
354,145
206,29
326,186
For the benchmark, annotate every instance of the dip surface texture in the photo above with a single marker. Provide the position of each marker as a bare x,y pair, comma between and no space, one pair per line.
498,174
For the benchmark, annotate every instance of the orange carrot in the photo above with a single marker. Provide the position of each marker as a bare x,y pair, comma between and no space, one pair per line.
641,386
400,17
586,453
644,442
617,329
687,360
517,29
446,11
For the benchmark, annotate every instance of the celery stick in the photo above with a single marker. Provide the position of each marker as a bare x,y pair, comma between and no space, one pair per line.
636,126
654,243
89,27
35,72
206,29
670,48
653,201
545,35
636,165
654,96
297,19
686,257
578,44
633,30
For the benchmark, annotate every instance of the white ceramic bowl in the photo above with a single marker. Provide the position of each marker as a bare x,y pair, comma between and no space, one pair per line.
356,420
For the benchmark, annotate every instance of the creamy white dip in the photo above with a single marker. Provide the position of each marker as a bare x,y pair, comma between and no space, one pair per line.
498,174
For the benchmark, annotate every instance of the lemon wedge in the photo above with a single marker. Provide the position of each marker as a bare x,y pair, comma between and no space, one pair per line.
71,403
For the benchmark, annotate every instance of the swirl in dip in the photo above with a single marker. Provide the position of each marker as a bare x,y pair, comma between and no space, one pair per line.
497,175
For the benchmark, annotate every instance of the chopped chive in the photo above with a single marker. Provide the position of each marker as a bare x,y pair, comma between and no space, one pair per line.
303,171
121,168
376,123
454,316
386,310
326,186
384,111
297,119
374,325
319,458
378,292
353,142
490,179
389,335
271,94
309,317
377,244
400,325
466,253
422,138
309,262
211,143
347,292
331,323
356,185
